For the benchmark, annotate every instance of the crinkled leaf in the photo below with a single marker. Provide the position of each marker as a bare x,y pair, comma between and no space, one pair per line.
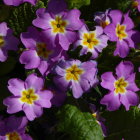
123,124
21,17
78,125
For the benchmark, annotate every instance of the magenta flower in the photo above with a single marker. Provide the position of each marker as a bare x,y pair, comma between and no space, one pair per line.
13,128
77,76
7,41
28,96
120,31
102,18
121,87
39,53
60,28
92,41
18,2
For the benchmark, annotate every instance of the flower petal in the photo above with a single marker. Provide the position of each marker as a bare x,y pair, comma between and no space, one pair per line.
32,81
13,104
111,101
108,80
30,58
16,86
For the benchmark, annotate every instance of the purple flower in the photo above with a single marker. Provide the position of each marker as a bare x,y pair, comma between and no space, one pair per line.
7,41
102,18
121,87
120,31
96,114
136,4
13,128
18,2
59,96
39,53
28,96
60,28
56,6
78,76
92,41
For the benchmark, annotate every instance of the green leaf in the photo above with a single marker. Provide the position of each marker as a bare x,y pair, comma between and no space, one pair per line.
21,17
78,125
77,3
123,124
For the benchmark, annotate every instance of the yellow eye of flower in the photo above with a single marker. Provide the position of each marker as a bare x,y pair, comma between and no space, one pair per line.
120,32
2,41
89,40
58,25
73,73
120,86
13,136
104,23
42,50
29,96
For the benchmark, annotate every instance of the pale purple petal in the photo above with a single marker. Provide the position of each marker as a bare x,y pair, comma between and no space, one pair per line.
3,29
73,18
110,32
129,99
122,49
30,58
116,16
124,69
76,90
16,86
108,81
13,104
32,81
111,101
43,19
44,98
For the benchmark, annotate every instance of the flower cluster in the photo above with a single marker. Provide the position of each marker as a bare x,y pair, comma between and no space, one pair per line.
45,53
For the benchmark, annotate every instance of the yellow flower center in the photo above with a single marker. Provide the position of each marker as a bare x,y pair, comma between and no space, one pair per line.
73,73
120,86
135,4
13,136
29,96
90,40
94,115
104,23
120,31
2,41
58,25
42,50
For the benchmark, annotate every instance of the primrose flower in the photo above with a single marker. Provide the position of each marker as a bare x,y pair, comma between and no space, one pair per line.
120,31
102,18
59,96
92,41
56,6
77,76
7,41
39,53
13,128
121,87
96,114
59,28
28,96
18,2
